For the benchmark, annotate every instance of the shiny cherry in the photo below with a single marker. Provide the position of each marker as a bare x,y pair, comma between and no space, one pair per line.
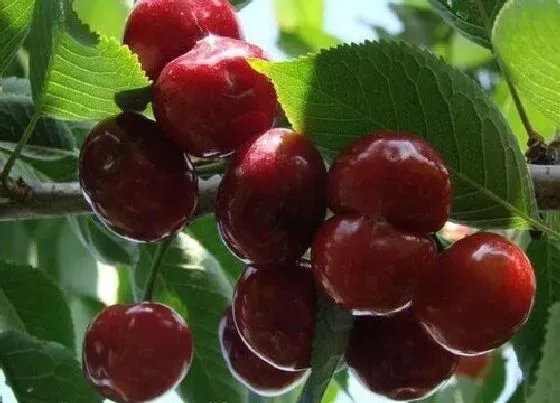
480,293
394,357
368,267
394,175
272,198
139,184
210,100
274,310
135,353
474,367
162,30
258,375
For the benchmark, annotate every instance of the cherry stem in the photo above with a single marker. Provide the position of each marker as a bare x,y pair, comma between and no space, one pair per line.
161,250
209,169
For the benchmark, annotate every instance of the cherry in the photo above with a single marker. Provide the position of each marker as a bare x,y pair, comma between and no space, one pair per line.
272,198
162,30
135,353
368,267
394,357
210,100
274,310
259,376
478,296
474,367
137,182
394,175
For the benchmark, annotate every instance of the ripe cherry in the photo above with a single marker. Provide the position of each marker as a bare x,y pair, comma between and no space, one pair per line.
258,375
137,182
474,367
135,353
480,293
272,198
210,100
274,310
394,175
162,30
394,357
367,266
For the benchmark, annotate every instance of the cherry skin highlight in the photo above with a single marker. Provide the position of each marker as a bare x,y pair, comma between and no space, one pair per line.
135,353
480,293
274,311
394,357
159,31
136,181
256,374
367,266
272,198
394,175
209,101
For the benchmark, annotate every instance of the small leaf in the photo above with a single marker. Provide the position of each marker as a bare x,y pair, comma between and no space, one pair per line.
526,39
42,371
15,16
466,17
341,94
329,346
547,388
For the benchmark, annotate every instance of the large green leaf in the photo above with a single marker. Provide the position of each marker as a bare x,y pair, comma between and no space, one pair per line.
42,371
545,258
75,74
194,283
106,17
527,41
470,17
341,94
15,16
38,302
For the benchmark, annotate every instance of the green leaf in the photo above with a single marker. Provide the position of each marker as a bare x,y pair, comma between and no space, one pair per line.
74,74
106,17
42,371
103,244
545,258
239,4
38,302
15,16
547,388
466,17
329,345
495,382
342,379
194,283
339,95
530,50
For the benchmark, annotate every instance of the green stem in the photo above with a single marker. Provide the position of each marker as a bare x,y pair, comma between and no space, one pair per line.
217,167
17,152
156,263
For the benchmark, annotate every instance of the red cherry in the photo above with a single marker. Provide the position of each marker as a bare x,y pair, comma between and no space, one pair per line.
210,100
272,198
162,30
368,267
474,367
274,310
395,175
480,293
394,357
135,353
259,376
137,182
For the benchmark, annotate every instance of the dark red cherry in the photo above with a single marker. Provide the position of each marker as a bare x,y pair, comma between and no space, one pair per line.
475,367
258,375
210,100
479,295
272,198
274,310
394,357
162,30
135,353
367,266
395,175
137,182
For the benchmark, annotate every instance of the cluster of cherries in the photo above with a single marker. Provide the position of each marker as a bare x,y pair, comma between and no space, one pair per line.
417,310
